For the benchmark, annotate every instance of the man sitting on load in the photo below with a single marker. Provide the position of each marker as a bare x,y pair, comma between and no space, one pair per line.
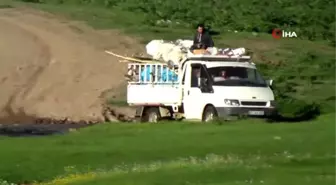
202,39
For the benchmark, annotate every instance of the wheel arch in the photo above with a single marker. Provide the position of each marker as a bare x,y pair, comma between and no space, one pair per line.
206,106
147,110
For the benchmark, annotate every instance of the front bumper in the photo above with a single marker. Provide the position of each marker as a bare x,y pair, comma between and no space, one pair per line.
224,112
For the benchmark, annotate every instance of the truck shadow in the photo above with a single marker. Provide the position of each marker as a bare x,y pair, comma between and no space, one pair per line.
307,116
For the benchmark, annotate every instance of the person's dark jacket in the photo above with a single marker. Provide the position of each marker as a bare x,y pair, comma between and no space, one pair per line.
206,41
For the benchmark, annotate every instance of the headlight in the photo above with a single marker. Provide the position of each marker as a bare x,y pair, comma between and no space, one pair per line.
231,102
272,103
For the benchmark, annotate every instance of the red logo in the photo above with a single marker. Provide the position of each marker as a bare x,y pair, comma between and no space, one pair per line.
277,33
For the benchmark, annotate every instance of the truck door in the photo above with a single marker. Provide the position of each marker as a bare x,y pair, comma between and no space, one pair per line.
194,96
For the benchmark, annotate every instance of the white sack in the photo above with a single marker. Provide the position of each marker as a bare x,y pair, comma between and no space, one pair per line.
233,52
185,43
152,48
166,51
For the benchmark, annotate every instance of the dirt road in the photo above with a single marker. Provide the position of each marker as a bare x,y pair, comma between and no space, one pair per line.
51,67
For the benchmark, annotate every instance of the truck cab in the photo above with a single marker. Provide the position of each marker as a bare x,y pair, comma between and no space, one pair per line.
201,88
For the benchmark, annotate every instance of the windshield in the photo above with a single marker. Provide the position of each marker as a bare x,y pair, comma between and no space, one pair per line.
236,76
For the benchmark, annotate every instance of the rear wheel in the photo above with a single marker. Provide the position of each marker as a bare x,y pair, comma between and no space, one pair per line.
152,115
209,114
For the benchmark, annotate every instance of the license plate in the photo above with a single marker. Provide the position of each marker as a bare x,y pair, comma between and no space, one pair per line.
256,113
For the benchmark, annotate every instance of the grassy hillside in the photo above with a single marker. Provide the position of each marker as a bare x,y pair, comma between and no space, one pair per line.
189,154
303,68
313,19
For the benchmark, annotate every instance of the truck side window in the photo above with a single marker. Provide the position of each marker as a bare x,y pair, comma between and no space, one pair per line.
195,74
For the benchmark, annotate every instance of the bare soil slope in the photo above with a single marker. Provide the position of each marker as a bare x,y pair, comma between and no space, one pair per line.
54,68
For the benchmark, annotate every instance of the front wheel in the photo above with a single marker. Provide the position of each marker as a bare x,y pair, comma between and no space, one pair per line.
152,115
209,114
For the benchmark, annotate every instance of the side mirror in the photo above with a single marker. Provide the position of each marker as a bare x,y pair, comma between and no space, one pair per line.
269,82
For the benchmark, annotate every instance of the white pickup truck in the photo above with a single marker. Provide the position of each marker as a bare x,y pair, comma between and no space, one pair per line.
201,87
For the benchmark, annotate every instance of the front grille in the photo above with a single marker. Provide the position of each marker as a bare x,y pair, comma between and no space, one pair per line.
253,103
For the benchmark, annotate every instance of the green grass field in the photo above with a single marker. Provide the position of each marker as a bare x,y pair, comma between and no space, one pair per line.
177,153
242,152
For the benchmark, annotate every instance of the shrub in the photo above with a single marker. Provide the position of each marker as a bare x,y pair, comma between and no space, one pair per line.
312,19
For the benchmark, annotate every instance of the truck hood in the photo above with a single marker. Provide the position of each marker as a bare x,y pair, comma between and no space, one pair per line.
244,93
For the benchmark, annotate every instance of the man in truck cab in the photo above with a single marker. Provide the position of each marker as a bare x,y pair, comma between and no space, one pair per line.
202,39
222,76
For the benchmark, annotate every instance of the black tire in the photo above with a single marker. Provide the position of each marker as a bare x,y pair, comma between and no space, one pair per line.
152,115
209,114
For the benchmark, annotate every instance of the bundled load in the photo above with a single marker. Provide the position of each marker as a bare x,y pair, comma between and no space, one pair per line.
176,51
165,59
168,51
